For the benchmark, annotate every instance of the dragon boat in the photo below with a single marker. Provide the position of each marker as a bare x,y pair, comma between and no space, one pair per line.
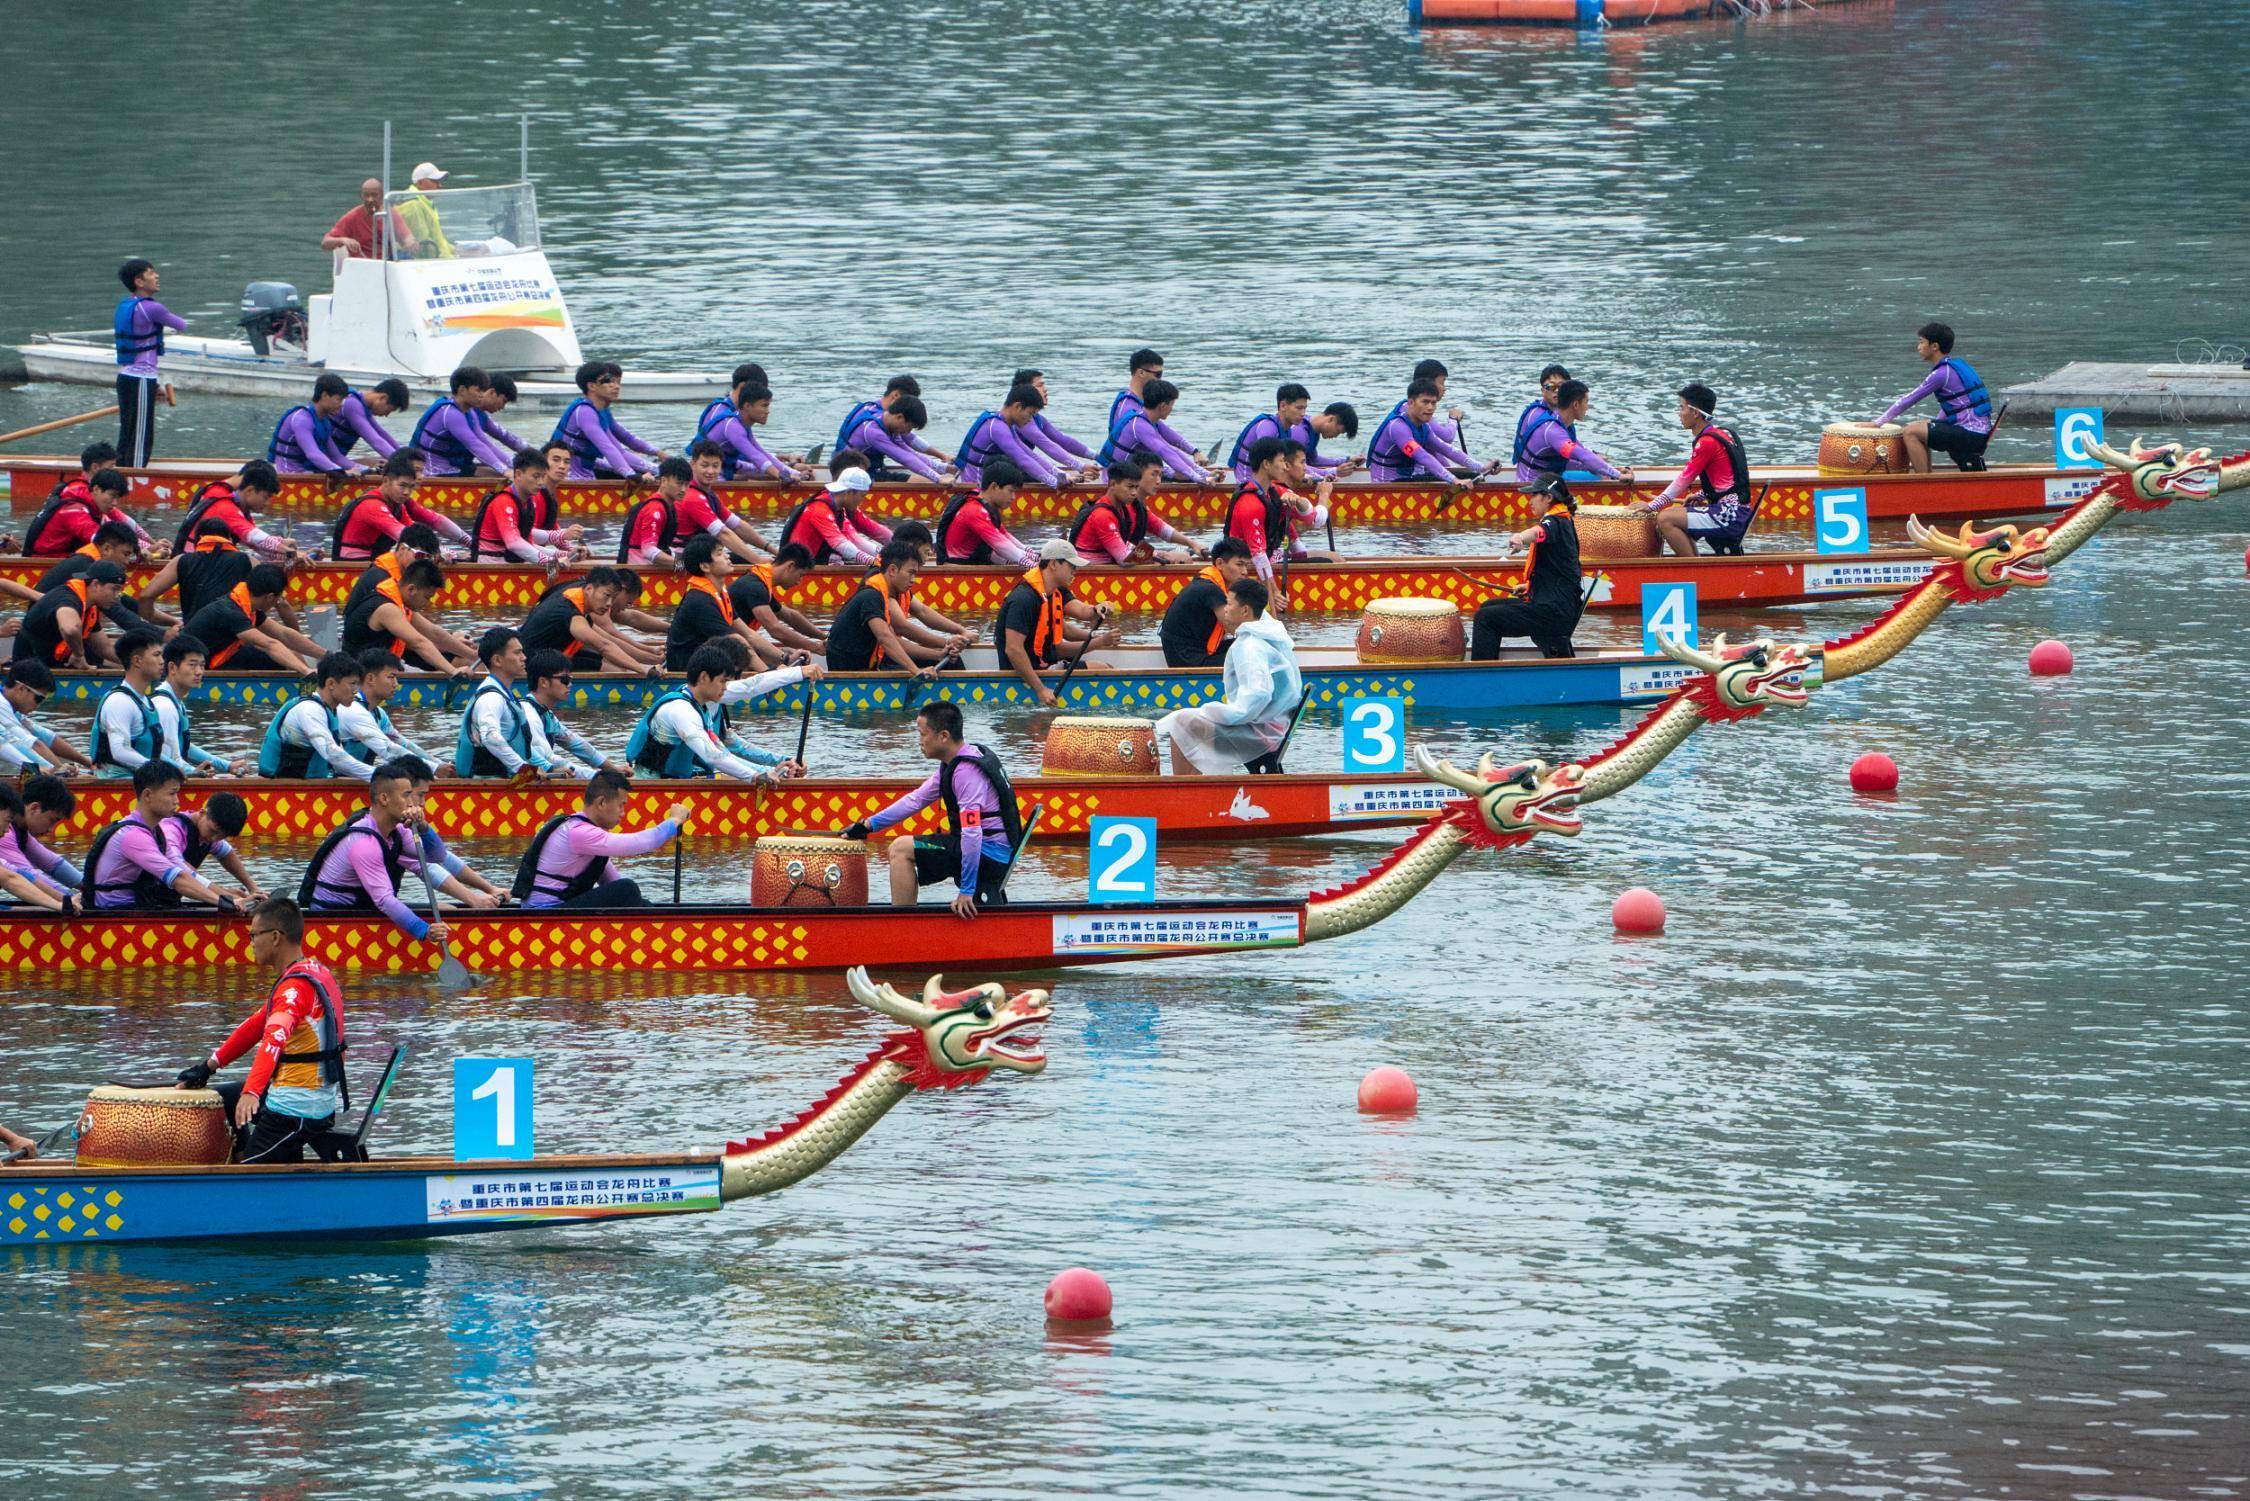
2002,490
947,1041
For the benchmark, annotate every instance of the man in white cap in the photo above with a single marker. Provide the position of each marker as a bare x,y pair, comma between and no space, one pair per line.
1043,623
833,525
421,214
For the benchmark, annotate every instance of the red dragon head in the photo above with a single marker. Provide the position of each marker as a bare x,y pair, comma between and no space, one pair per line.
1983,565
960,1036
1507,804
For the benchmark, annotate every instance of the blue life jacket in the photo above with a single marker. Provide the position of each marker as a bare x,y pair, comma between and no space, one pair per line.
283,444
1120,399
972,454
146,739
376,753
342,436
471,759
1549,462
1240,453
1110,449
854,418
1525,427
278,758
1972,399
644,750
130,345
712,414
179,712
581,447
1396,458
730,457
450,452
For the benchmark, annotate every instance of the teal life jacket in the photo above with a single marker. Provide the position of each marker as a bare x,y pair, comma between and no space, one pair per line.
470,759
658,758
278,758
147,739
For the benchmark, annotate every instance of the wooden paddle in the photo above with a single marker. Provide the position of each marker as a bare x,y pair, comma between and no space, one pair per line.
1101,618
679,845
452,973
48,427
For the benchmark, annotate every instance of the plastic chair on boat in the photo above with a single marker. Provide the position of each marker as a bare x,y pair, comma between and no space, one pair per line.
349,1143
1729,543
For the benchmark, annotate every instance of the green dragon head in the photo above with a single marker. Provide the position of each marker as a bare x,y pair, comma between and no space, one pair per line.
1508,804
959,1037
2160,475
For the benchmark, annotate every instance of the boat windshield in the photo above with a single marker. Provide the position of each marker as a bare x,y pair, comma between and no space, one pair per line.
464,223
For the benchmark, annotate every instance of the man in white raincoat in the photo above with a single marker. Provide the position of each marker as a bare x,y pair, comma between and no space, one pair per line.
1263,689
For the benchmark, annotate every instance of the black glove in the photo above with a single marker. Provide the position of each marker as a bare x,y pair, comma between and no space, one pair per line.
228,905
857,831
197,1075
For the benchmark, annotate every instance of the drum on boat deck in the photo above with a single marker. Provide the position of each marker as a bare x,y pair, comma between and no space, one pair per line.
1088,745
1616,534
808,870
126,1127
1409,628
1863,448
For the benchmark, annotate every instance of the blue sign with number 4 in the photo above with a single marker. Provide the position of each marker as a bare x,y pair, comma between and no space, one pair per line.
2075,427
1123,863
491,1108
1840,520
1667,610
1374,734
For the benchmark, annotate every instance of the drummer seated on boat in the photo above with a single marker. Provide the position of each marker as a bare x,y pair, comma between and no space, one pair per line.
1005,435
760,595
184,659
1963,425
139,864
1552,446
68,626
363,860
17,883
572,860
706,609
973,526
387,618
305,737
245,632
367,729
1263,687
304,441
687,733
1716,464
449,435
1122,525
601,447
517,522
371,521
26,745
1043,624
1547,605
127,732
1192,633
295,1088
983,827
356,421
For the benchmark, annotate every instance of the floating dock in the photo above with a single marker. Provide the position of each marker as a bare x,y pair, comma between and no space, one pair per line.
2183,395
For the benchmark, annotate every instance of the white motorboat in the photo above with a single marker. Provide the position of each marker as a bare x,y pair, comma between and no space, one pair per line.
481,293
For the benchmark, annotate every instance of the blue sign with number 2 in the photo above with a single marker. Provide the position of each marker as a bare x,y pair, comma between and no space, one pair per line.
1123,867
491,1108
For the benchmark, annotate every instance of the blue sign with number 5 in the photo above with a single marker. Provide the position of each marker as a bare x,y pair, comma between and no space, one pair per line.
1374,734
1123,867
491,1108
1667,610
1840,520
2075,427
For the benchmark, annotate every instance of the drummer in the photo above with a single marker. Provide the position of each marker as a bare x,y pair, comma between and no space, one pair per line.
572,860
984,826
1717,464
1547,606
1963,425
1552,446
296,1087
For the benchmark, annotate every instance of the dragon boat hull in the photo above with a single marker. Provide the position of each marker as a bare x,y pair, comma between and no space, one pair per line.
2004,490
1201,809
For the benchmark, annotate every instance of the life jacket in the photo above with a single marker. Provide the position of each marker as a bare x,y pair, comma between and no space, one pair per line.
1111,447
1525,427
1011,817
1046,633
982,551
1737,460
479,542
148,739
811,539
382,718
1240,453
205,501
876,584
574,598
278,758
701,584
973,453
581,447
39,621
1972,399
730,458
449,451
310,890
1276,520
1218,631
713,413
667,535
1123,398
1132,521
240,596
651,754
326,1064
471,759
75,491
208,570
283,445
342,436
529,875
146,890
1548,462
852,419
130,345
1396,458
336,542
360,629
179,712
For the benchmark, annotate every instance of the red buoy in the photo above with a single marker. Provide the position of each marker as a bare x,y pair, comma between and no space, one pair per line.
1639,910
1078,1296
2050,659
1388,1091
1874,772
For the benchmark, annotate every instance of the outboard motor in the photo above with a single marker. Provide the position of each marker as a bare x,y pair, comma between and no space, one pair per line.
272,313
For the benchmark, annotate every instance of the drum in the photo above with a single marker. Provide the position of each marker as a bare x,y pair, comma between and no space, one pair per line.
808,870
1863,448
126,1127
1087,745
1614,534
1410,629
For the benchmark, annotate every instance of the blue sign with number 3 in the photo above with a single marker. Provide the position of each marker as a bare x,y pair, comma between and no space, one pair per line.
491,1108
1840,520
1667,610
2075,427
1374,734
1123,863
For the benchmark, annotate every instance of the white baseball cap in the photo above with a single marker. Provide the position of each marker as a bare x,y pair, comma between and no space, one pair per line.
853,480
426,172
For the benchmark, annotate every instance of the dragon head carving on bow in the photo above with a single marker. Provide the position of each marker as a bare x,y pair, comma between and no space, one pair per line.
959,1037
1507,804
1983,565
1740,681
2158,476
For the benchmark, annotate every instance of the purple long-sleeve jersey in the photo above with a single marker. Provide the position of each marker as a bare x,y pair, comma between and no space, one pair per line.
465,429
979,802
148,316
1010,442
319,457
872,438
355,424
578,844
1143,435
611,440
750,455
1397,450
1948,385
1057,444
1553,441
135,849
1268,425
507,441
358,861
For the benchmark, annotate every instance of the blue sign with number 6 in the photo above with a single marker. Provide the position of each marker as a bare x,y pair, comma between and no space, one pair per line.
1374,734
1123,867
1840,520
1667,610
2075,427
491,1108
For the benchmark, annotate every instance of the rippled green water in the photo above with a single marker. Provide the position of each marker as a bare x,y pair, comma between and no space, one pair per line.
1910,1162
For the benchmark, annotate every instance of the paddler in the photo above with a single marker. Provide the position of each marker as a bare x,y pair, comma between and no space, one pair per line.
416,542
139,325
760,595
356,421
557,748
742,456
17,1146
1007,435
911,615
1304,510
705,500
1550,384
361,862
973,528
833,524
1963,425
47,803
1404,445
66,628
568,620
571,861
517,520
897,389
368,731
127,732
495,738
449,434
18,883
623,616
870,632
388,618
1717,463
687,733
889,433
140,864
371,521
1067,452
112,544
983,825
1122,523
1192,633
1258,516
1141,434
1144,368
1288,421
1547,605
26,745
80,507
303,441
498,397
184,658
1447,428
686,504
748,373
706,610
1244,731
601,447
295,1088
305,737
1039,617
229,502
242,633
1552,448
202,571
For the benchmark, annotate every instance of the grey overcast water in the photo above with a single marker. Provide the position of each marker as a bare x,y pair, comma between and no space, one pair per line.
1909,1163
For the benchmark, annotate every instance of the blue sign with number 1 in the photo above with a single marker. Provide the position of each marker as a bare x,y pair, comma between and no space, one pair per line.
1667,610
1374,734
491,1108
1123,863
